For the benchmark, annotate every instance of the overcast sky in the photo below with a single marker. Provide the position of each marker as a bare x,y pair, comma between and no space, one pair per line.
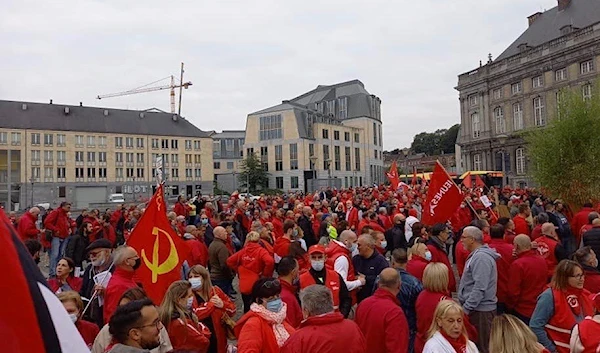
243,56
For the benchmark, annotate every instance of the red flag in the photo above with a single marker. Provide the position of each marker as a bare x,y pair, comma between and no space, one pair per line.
479,182
467,181
392,175
443,197
423,181
413,182
161,250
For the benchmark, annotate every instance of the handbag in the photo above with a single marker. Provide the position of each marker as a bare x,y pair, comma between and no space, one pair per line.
228,325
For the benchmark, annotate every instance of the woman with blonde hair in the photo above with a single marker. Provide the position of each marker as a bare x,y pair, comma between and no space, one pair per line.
448,333
210,305
418,258
185,332
511,335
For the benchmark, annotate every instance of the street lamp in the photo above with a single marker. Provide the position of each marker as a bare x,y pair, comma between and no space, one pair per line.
133,189
328,163
313,160
502,138
32,180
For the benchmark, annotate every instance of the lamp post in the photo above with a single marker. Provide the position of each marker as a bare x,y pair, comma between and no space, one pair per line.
313,167
502,140
133,189
32,180
328,164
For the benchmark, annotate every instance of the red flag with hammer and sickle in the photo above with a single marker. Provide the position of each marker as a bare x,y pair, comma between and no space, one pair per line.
443,197
162,252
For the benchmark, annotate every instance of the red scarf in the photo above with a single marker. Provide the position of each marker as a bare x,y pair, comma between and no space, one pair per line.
459,344
578,301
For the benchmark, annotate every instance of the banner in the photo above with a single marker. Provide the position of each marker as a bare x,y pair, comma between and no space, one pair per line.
443,197
467,181
392,175
161,250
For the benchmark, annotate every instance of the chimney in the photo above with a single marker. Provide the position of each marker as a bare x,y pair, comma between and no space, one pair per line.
50,101
534,17
563,4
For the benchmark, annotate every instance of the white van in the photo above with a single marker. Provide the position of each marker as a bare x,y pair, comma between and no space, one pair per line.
116,198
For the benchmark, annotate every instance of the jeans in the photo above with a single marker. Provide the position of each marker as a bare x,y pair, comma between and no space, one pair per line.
482,320
224,284
57,250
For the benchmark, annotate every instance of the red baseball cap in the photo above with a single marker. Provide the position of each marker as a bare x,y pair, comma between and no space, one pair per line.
316,249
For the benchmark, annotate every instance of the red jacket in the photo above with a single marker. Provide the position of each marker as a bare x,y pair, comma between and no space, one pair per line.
255,334
527,279
521,225
27,228
439,255
546,248
509,237
536,232
119,283
592,280
251,263
416,266
58,222
198,252
282,246
185,335
182,209
386,221
109,234
502,267
294,311
277,228
461,257
376,226
383,323
74,282
579,220
315,335
88,331
208,309
589,331
352,218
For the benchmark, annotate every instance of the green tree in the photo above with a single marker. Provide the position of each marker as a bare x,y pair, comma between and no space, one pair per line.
252,172
448,140
565,155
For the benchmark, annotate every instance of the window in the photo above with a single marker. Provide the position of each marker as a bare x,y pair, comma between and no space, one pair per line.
188,144
516,88
188,159
48,173
129,172
198,173
587,91
129,142
79,173
348,159
336,135
278,158
119,173
337,158
537,81
517,116
118,142
293,156
326,160
164,143
35,139
48,156
539,111
79,141
48,139
102,157
499,117
560,74
473,100
35,155
129,157
475,125
154,144
217,165
325,133
140,173
174,158
175,173
477,161
230,165
217,149
91,141
270,127
3,138
294,182
356,137
497,93
139,158
342,108
35,173
229,145
102,141
347,136
197,158
119,157
586,67
331,107
357,159
91,156
375,154
174,144
102,173
78,156
139,142
91,173
264,157
520,160
61,140
61,174
15,138
319,107
197,145
279,182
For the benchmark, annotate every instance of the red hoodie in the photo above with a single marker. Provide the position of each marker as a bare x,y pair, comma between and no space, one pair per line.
27,228
521,225
439,255
119,283
255,334
294,311
527,279
252,262
502,266
282,246
579,220
416,266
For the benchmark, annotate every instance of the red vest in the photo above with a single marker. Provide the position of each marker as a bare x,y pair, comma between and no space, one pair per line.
334,251
589,331
561,323
546,248
332,281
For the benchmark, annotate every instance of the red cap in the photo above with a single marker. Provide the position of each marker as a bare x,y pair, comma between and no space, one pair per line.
316,249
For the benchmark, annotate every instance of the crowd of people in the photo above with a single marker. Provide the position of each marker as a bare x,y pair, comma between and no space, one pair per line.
351,270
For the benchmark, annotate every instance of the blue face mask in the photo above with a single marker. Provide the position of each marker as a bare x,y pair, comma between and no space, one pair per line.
204,221
428,255
274,305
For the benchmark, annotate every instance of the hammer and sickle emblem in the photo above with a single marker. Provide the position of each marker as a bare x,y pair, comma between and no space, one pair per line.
169,264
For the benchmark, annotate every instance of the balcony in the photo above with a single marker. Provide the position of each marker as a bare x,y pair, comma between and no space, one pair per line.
102,164
35,162
119,164
129,164
61,162
175,165
91,164
49,163
78,162
61,179
140,164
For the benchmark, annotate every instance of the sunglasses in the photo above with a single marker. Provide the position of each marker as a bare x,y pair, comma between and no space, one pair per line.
272,284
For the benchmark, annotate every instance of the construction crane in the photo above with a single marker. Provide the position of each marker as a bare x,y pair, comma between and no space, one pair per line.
145,88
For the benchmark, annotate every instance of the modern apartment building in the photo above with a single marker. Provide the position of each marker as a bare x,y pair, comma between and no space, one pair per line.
331,135
520,89
228,148
50,153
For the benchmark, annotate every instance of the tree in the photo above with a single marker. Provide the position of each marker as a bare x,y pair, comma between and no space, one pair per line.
564,155
448,140
438,142
253,172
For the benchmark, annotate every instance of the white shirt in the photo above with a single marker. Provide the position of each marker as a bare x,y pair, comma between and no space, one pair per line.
410,220
341,266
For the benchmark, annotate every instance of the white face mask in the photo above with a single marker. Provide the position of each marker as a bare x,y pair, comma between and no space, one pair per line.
196,282
384,244
190,303
73,317
317,265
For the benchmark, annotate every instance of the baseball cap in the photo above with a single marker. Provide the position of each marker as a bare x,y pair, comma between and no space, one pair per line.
316,249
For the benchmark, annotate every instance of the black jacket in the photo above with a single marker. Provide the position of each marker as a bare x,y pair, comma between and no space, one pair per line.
395,237
76,248
591,238
309,235
345,299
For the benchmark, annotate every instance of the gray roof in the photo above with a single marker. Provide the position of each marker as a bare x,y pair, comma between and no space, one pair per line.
547,27
321,93
42,116
274,109
229,134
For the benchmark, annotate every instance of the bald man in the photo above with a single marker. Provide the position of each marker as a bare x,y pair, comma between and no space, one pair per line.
395,235
381,319
126,261
548,246
527,278
368,262
220,274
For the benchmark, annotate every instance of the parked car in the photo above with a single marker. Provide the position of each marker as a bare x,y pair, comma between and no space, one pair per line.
251,197
116,198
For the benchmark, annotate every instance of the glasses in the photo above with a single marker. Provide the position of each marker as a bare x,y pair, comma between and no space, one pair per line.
157,323
272,284
581,276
